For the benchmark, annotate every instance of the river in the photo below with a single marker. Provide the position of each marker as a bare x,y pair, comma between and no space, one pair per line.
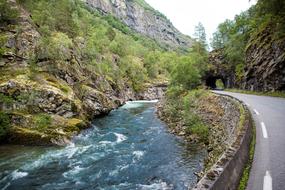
128,149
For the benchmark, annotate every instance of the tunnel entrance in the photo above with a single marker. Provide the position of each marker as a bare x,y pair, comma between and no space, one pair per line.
216,82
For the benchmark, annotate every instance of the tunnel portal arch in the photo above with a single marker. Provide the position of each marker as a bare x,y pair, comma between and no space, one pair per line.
211,81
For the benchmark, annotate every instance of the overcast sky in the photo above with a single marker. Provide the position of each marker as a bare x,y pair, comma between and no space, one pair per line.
185,14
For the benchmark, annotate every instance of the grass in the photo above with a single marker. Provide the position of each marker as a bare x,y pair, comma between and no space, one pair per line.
273,94
242,117
42,121
6,99
4,124
246,171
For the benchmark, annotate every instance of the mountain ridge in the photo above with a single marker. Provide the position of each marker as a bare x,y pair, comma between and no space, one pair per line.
142,18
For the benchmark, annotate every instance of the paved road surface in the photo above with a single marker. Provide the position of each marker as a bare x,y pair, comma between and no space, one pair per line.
268,169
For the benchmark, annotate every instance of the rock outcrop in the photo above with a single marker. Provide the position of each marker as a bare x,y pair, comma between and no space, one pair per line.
219,69
265,62
139,16
264,68
49,101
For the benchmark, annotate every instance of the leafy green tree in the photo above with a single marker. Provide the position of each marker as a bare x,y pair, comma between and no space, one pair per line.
274,7
222,35
186,74
133,69
151,64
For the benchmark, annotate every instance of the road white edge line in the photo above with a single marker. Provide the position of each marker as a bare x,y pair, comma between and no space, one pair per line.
264,131
267,181
256,112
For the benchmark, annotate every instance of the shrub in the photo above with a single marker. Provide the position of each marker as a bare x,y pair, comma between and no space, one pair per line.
186,74
42,121
8,14
4,125
55,47
201,130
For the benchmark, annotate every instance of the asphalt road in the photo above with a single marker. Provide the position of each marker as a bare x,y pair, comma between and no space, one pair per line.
268,169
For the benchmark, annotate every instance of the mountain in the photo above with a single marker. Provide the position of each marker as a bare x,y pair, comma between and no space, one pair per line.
62,64
141,17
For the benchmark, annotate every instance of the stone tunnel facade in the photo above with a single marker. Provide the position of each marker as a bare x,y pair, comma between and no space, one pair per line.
219,70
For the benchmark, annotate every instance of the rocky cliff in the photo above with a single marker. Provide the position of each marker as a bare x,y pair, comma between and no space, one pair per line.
45,101
265,62
139,16
264,67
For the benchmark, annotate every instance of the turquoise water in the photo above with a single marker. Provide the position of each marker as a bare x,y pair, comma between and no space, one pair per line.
128,149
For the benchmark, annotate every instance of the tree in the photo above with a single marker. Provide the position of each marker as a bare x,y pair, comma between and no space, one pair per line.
273,7
222,36
200,34
186,74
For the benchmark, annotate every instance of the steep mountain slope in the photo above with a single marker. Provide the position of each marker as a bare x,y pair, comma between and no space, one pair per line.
61,65
138,15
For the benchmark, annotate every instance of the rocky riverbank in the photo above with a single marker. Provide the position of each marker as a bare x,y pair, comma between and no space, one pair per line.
221,116
46,100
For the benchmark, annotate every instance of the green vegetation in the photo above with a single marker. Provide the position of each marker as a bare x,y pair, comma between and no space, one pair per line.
235,36
96,40
8,14
4,124
246,171
3,41
193,121
189,69
4,99
274,94
220,84
183,95
181,106
146,6
42,121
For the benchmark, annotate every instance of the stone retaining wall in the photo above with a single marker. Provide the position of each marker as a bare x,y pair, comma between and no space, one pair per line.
226,173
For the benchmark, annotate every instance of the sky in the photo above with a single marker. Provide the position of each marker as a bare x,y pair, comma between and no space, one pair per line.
186,14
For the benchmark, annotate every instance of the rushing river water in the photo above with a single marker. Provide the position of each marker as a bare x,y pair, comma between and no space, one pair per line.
128,149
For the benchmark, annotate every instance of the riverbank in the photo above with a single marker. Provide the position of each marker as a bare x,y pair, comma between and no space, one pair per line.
202,117
42,115
128,149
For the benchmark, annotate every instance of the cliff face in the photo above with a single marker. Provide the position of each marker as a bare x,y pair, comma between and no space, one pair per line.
265,63
142,18
46,102
264,68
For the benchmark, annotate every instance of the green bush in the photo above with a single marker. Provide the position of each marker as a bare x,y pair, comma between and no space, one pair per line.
3,41
8,14
42,121
4,125
186,74
192,120
201,130
6,99
55,47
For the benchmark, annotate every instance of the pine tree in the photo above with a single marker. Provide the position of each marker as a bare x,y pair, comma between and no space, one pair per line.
200,34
